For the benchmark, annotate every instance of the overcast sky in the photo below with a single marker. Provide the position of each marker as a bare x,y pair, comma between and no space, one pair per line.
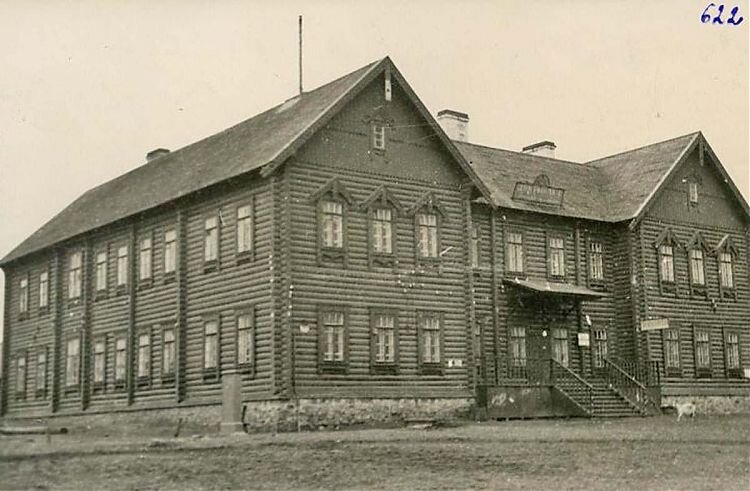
88,87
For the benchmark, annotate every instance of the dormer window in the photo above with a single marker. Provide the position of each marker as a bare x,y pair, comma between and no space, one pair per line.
378,136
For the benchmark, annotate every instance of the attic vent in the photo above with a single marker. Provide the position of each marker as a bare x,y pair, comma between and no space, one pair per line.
542,180
155,154
287,104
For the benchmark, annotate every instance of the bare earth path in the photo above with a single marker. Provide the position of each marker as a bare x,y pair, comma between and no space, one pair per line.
653,453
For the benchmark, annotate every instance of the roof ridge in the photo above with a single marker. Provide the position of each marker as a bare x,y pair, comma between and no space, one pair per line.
550,159
590,162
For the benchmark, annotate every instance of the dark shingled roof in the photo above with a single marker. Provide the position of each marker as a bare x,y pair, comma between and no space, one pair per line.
242,148
610,189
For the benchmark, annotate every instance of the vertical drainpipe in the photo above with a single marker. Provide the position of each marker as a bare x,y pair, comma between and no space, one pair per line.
469,294
181,299
495,295
57,331
85,324
131,312
579,308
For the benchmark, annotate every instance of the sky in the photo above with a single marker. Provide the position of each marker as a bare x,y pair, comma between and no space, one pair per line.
87,88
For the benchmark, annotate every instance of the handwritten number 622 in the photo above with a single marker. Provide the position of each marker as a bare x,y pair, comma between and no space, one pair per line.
706,17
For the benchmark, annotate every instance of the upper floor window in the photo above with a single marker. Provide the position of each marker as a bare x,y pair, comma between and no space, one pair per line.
557,257
726,270
596,261
693,192
427,235
332,226
101,271
43,290
697,268
666,263
23,299
244,229
75,275
475,251
122,265
145,259
600,347
514,252
170,251
382,237
378,136
211,239
72,361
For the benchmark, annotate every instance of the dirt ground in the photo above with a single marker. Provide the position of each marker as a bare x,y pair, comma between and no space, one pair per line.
652,453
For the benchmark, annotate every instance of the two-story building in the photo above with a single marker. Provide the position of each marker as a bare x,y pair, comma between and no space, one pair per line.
355,259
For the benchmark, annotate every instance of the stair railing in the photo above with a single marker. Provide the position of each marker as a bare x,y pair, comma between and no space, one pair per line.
648,375
628,386
573,386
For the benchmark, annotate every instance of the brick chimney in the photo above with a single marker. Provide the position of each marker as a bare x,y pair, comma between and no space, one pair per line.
543,149
155,154
455,124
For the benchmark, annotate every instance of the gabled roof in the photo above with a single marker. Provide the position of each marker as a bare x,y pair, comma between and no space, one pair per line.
263,142
612,189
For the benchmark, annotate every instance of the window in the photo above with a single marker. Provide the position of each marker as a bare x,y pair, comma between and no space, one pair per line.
702,353
72,362
560,346
427,235
44,290
211,347
475,235
697,268
672,351
430,341
600,347
726,271
144,260
332,215
514,252
122,266
41,373
170,251
211,240
144,355
596,262
99,362
666,263
101,271
557,257
121,361
21,376
732,354
693,192
517,348
23,292
382,242
168,355
75,275
245,340
244,229
378,136
333,338
384,339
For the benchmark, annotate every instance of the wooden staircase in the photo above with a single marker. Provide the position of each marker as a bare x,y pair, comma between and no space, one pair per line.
607,403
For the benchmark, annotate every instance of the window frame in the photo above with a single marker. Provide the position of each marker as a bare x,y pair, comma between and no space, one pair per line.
245,254
702,371
168,375
333,366
672,370
419,258
99,385
517,366
41,392
509,231
146,260
380,258
332,252
75,276
72,386
378,132
247,367
693,184
599,338
144,380
696,288
21,377
554,340
211,374
425,367
590,257
553,236
667,238
211,264
120,383
170,252
736,372
388,367
23,296
100,291
44,292
475,246
727,291
122,270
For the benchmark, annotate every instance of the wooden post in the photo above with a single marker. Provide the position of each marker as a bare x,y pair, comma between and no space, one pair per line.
132,273
57,331
469,294
181,292
495,295
85,325
4,369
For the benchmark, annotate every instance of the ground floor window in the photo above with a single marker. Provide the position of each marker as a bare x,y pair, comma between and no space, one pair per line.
384,338
144,356
121,357
41,373
333,338
672,351
430,341
560,346
168,353
702,353
21,376
732,354
600,347
72,362
211,348
99,362
517,346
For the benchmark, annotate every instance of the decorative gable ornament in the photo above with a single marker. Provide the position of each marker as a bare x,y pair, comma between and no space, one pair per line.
334,188
698,242
667,236
382,196
726,244
429,202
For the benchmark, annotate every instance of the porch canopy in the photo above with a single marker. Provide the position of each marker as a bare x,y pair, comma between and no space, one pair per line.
552,288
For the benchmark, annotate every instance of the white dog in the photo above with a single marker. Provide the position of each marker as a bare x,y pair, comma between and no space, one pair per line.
686,408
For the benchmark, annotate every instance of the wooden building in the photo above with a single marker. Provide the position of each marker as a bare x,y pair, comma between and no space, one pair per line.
347,252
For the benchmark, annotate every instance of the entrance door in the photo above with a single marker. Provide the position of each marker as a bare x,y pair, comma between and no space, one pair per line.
539,355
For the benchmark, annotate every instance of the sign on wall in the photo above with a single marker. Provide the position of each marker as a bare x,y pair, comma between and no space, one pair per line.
537,193
584,339
654,324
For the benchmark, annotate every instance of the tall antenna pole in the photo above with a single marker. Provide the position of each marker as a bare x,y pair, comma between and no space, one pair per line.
300,55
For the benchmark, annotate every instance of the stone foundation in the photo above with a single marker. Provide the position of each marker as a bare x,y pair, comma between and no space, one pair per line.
712,404
305,414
